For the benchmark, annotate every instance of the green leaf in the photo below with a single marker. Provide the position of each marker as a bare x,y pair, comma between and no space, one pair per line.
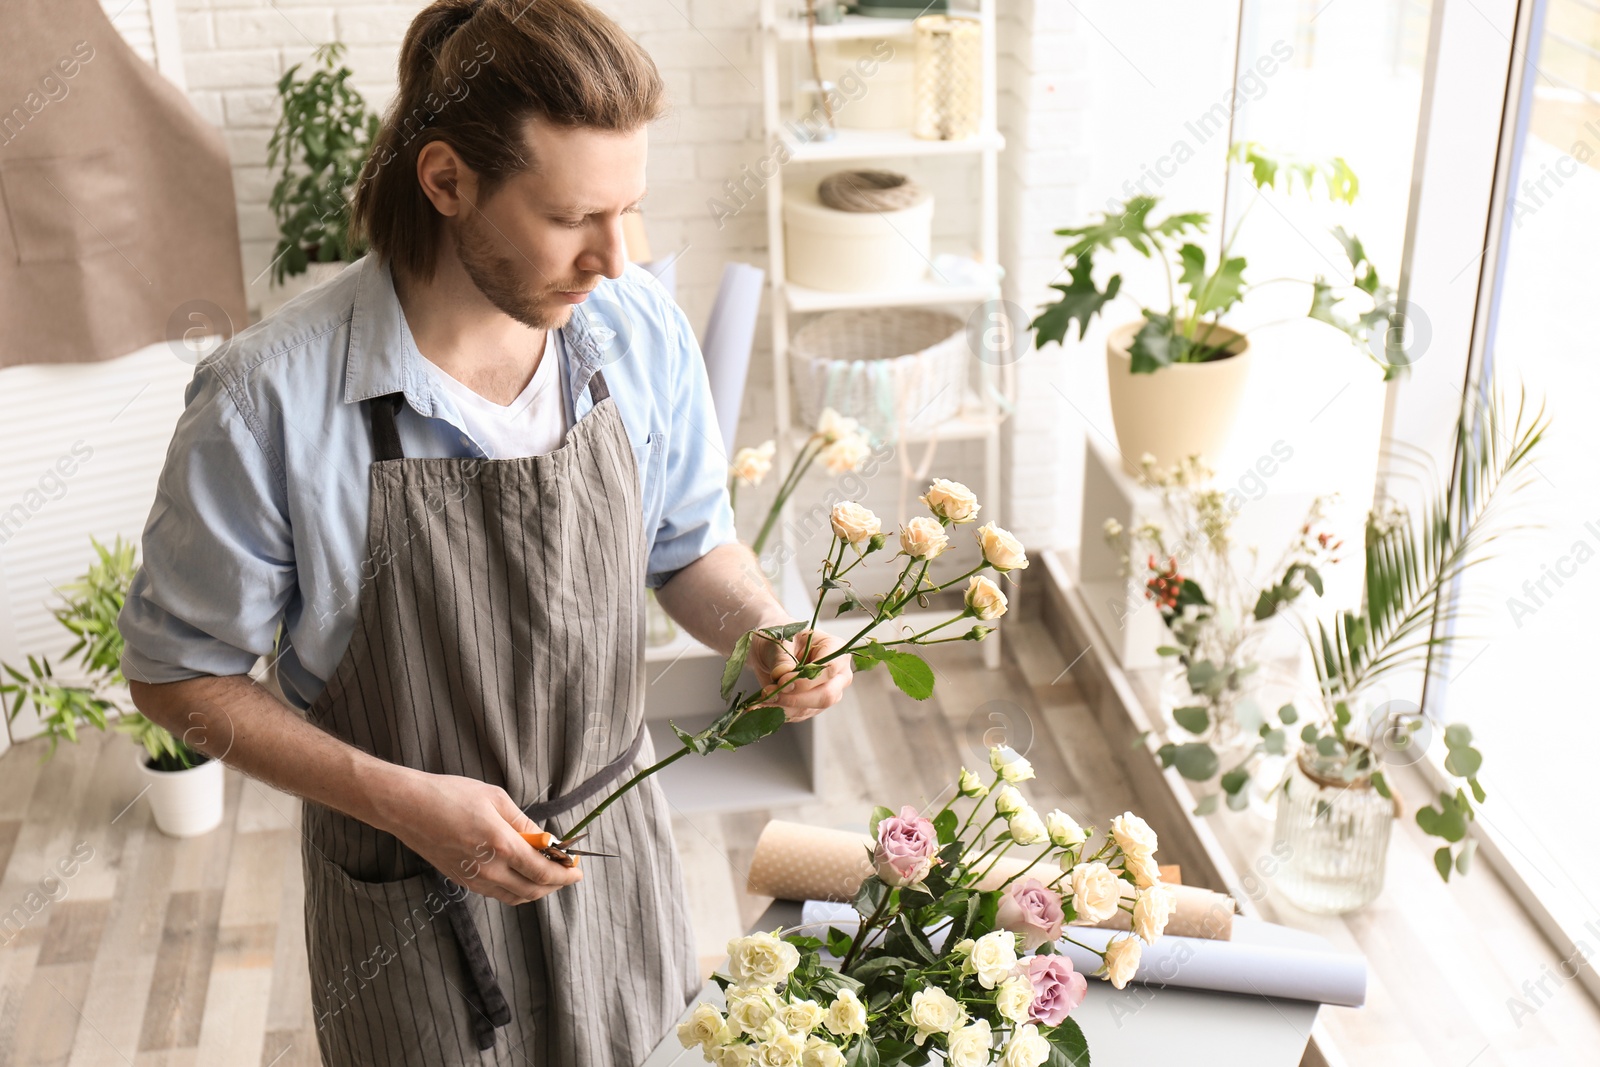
735,665
1079,302
945,823
1196,761
1288,715
1442,862
839,942
1275,742
1154,346
1068,1046
1168,650
1238,801
1477,790
1235,780
911,673
863,1053
752,726
1463,762
1193,719
1193,258
1458,735
879,814
1381,784
1308,733
1206,805
1221,290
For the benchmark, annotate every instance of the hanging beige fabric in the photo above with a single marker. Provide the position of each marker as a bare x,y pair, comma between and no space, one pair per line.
118,228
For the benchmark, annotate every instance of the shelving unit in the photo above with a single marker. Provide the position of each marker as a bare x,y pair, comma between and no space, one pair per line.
981,414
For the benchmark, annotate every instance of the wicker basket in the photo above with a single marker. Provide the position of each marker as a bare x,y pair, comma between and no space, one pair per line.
892,369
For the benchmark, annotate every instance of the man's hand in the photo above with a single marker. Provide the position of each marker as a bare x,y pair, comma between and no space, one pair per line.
775,663
471,831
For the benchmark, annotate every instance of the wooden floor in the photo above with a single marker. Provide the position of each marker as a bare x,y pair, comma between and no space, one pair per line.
165,952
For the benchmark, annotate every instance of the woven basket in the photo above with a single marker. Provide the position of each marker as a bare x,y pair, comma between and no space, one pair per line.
892,369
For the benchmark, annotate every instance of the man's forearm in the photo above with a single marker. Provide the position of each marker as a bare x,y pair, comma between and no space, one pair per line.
236,720
721,595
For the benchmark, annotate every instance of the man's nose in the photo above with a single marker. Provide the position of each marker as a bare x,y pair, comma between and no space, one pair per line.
608,253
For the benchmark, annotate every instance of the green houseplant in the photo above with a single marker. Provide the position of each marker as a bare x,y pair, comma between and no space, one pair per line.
1177,372
319,146
1335,805
185,787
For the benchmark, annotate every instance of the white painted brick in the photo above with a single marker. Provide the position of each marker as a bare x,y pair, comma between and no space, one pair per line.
255,28
195,31
726,85
247,146
253,185
690,49
209,105
232,69
374,23
251,108
373,64
724,14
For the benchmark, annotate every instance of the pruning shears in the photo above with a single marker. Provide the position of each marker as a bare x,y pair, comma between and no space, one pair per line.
562,851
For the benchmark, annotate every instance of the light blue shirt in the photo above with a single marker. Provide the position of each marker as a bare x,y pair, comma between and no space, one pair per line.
260,516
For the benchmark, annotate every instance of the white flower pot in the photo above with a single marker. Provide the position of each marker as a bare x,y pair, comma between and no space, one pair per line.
1181,410
185,803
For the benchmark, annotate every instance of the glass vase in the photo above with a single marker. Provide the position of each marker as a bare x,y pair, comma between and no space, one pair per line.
1332,839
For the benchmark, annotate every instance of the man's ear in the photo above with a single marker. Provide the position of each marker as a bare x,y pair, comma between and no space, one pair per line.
446,179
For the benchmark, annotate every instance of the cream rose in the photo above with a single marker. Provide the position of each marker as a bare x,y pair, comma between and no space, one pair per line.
1122,960
820,1053
761,959
1000,550
1146,872
1009,765
751,465
984,598
923,538
733,1055
970,1045
845,454
1133,835
933,1011
831,425
780,1048
1096,892
1026,827
846,1015
750,1008
1063,829
951,501
971,785
854,523
1151,910
1009,801
993,958
1015,998
705,1027
802,1016
1027,1048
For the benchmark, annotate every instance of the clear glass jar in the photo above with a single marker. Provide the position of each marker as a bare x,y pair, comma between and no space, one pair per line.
1331,839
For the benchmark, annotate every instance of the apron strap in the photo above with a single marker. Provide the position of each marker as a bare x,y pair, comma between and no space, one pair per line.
541,810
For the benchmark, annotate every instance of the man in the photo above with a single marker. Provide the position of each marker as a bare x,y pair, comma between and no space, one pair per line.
447,488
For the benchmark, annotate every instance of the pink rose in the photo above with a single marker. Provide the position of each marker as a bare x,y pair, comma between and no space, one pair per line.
1031,909
907,845
1057,989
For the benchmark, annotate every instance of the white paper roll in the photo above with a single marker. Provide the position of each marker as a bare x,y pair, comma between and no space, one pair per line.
726,343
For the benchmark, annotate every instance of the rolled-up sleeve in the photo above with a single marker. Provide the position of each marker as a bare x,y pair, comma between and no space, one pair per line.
696,515
217,552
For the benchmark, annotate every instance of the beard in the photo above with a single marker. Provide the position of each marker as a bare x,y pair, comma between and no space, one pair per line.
499,280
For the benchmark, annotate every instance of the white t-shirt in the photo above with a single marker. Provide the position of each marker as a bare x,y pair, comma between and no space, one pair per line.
531,425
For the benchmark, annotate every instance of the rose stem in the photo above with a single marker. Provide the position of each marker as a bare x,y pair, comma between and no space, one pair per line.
998,856
790,481
1026,869
861,934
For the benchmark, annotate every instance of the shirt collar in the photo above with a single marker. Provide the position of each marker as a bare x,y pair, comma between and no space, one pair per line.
383,356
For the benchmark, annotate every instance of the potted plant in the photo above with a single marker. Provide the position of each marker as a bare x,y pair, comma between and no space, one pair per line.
185,787
1216,613
1335,808
1176,374
321,142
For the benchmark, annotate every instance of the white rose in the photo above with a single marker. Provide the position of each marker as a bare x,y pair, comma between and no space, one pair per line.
854,523
846,453
846,1015
933,1011
1151,910
750,1008
820,1053
970,1045
993,958
971,785
923,538
1008,765
705,1027
733,1055
779,1048
1015,998
951,501
1122,960
1146,872
1009,801
1096,892
761,960
984,598
1112,528
831,425
750,465
1026,827
1063,829
1027,1048
1133,835
802,1016
1000,550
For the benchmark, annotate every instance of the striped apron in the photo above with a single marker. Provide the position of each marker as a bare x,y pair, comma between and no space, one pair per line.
499,636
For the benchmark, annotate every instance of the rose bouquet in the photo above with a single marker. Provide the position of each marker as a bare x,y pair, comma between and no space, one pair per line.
955,953
857,535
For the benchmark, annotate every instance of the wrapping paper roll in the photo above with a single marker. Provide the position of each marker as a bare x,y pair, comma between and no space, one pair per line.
794,861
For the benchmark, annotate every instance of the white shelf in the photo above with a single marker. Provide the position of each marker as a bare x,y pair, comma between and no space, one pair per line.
850,28
871,144
928,291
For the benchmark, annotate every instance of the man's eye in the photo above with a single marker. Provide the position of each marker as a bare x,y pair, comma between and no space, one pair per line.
571,224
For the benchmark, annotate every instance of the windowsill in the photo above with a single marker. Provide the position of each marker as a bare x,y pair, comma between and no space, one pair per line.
1445,960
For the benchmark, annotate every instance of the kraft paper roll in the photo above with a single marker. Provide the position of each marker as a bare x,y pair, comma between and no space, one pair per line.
794,861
